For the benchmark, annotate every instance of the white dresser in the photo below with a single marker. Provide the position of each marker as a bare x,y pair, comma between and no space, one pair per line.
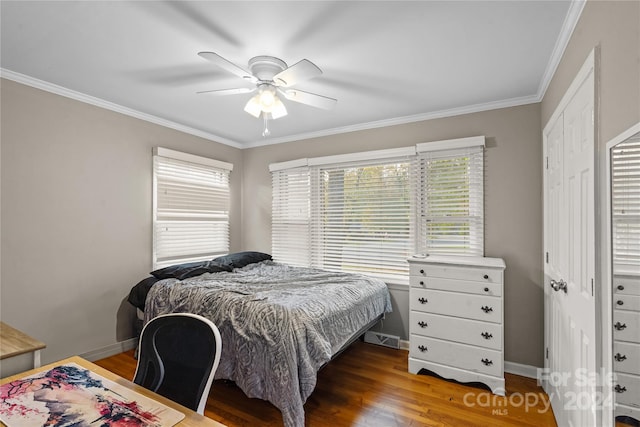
456,318
626,345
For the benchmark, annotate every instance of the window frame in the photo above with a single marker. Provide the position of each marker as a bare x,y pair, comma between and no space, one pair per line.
313,165
473,150
161,154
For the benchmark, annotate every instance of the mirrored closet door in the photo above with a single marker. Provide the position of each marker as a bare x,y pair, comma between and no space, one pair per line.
625,242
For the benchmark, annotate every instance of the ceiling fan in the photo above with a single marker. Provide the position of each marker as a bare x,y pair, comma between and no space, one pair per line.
271,77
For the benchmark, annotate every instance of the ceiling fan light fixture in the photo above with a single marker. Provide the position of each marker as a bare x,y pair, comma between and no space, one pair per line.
278,110
267,98
270,76
253,107
266,102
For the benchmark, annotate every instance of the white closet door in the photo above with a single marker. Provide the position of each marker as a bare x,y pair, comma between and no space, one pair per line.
570,271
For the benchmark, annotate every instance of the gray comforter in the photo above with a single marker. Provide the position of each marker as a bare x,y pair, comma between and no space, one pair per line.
279,324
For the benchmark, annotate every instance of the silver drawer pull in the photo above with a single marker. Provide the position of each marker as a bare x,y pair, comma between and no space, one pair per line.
620,357
422,324
619,389
423,300
486,308
422,348
487,362
620,326
487,335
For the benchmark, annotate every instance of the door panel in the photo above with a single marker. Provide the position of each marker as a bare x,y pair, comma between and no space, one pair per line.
570,243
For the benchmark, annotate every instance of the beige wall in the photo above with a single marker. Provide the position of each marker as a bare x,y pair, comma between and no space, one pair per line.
614,28
76,194
513,210
76,215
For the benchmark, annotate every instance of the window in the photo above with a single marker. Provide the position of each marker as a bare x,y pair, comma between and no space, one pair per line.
290,233
625,201
450,202
368,212
361,217
190,207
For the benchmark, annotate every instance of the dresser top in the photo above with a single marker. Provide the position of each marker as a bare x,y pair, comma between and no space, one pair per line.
477,261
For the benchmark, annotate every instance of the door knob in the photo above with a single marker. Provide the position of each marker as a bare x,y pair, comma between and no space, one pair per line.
559,285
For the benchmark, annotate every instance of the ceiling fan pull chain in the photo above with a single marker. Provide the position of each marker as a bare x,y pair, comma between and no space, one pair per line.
266,132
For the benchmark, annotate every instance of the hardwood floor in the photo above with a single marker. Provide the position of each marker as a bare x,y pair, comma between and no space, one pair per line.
369,385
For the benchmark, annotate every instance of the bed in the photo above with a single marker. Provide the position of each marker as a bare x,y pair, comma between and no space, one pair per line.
279,324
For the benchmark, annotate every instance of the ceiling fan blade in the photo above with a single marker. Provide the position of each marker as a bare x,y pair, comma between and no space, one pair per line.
227,65
309,98
233,91
303,70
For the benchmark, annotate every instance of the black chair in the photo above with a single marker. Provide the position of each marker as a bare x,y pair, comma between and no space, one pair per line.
178,357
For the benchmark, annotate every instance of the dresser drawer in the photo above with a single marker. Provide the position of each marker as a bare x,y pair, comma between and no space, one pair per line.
626,325
478,274
465,331
627,411
492,289
468,306
626,285
628,390
475,359
626,302
626,357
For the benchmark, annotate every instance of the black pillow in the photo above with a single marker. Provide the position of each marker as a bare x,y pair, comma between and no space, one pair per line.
240,259
210,267
138,294
183,271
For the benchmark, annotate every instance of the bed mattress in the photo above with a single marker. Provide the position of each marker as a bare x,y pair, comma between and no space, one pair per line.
279,324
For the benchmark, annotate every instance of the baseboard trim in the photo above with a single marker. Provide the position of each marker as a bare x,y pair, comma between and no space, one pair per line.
520,369
122,346
110,350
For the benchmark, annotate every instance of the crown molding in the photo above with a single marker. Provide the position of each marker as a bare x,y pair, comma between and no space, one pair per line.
476,108
568,26
88,99
571,19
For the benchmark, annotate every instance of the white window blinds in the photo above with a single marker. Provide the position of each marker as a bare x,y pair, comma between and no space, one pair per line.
450,204
625,172
368,212
290,221
362,218
190,208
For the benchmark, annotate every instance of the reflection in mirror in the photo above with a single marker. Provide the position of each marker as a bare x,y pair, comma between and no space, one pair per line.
625,228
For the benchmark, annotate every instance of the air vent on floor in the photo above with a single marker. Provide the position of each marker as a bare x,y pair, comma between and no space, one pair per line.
379,338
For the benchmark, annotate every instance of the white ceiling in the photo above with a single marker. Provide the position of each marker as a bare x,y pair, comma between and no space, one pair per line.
385,62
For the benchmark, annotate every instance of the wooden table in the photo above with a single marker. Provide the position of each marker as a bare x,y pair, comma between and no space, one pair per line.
14,342
191,419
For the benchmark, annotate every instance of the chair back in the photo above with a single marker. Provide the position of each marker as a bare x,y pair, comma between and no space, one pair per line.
177,358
